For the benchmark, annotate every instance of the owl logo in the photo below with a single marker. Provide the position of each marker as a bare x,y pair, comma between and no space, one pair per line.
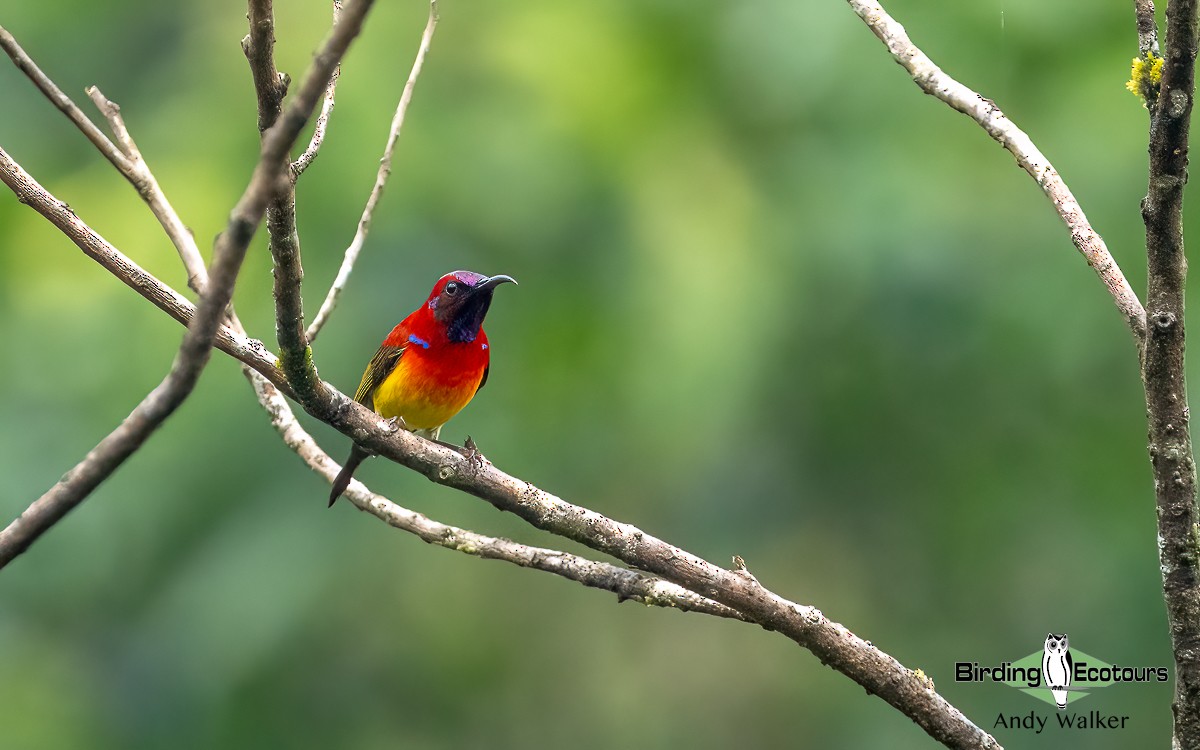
1057,667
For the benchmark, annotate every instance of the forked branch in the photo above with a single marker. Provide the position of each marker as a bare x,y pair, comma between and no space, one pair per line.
124,155
714,589
268,380
907,690
197,344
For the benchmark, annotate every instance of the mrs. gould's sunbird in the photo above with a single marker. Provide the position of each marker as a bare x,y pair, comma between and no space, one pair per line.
431,365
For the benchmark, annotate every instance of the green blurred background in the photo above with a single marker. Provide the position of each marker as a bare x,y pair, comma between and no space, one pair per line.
774,302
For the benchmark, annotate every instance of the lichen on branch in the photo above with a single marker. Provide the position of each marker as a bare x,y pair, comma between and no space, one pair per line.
1145,77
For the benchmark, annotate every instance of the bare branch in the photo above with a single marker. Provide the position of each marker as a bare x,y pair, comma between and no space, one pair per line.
934,81
26,65
1163,365
832,643
228,340
1147,27
139,175
295,353
288,272
318,136
116,123
381,178
142,178
160,403
625,583
101,461
196,348
259,47
257,360
124,156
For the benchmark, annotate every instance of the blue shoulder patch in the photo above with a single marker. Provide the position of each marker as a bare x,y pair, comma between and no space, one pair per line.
414,338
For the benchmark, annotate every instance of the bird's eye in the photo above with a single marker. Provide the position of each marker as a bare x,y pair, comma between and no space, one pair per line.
451,289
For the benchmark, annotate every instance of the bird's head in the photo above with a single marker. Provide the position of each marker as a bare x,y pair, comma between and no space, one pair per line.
460,300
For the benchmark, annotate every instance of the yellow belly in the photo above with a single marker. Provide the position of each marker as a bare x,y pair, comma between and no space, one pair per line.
424,396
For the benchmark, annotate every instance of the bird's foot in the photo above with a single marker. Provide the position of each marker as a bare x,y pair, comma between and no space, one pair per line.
472,453
396,423
469,451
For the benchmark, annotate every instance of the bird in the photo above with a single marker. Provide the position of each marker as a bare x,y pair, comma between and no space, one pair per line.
431,364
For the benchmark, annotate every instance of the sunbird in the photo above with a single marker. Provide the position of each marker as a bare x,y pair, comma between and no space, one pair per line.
431,365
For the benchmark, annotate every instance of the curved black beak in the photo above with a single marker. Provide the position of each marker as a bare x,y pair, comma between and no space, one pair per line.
464,313
493,282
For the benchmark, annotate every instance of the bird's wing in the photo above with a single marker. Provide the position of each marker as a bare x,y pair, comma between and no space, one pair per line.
483,380
377,371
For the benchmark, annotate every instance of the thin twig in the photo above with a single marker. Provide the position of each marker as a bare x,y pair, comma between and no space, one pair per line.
139,175
1163,364
259,47
143,179
318,136
124,155
229,340
625,583
934,81
381,178
1147,27
78,483
26,65
116,123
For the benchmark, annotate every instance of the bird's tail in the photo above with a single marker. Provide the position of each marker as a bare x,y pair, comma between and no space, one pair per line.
357,456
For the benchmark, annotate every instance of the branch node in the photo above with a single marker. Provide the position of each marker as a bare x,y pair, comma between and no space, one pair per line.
739,567
925,680
1177,103
1163,321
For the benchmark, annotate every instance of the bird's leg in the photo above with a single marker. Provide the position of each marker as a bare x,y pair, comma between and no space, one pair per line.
469,451
456,448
